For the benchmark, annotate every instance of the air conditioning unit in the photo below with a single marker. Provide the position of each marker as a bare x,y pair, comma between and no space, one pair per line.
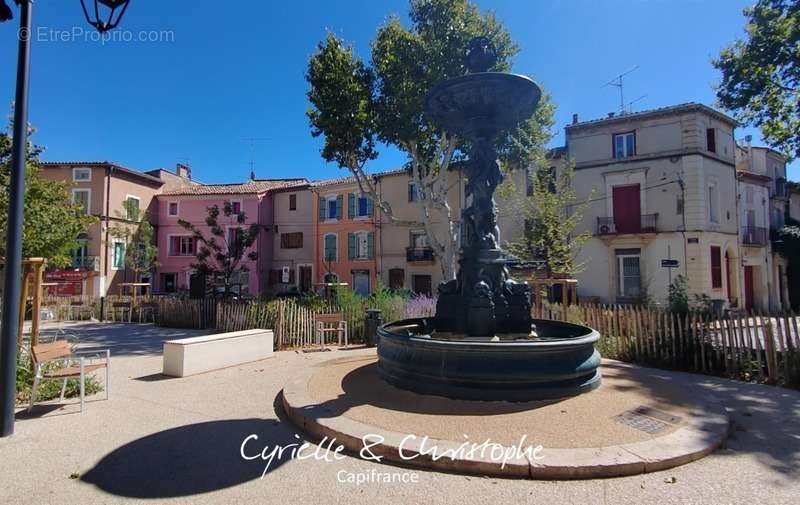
605,229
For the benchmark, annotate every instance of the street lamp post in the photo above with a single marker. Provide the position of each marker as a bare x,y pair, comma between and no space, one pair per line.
16,193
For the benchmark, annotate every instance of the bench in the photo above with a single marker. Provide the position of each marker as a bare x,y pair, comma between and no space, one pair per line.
331,324
189,356
75,366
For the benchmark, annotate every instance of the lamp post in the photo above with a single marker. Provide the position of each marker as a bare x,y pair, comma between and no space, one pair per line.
114,10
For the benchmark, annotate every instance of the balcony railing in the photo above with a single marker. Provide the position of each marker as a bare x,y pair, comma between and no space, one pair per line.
754,235
414,254
648,223
91,263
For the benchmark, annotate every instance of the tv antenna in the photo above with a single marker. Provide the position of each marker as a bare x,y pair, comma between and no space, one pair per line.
252,141
618,82
630,104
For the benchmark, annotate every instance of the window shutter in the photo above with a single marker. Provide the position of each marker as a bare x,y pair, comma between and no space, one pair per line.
351,205
339,200
370,207
716,267
411,192
291,276
322,209
351,246
371,245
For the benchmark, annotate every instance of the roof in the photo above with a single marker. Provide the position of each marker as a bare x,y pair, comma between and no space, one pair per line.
247,188
352,180
671,109
115,166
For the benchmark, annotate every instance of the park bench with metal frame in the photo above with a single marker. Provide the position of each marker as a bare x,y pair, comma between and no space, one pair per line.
331,324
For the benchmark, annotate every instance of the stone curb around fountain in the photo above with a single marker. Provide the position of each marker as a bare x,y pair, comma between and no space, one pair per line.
705,430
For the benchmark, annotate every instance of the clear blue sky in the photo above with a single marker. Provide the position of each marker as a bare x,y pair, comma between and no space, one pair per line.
236,72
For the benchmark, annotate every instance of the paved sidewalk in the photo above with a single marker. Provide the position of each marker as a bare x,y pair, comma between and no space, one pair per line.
178,441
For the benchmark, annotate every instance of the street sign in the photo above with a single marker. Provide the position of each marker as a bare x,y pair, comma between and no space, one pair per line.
669,263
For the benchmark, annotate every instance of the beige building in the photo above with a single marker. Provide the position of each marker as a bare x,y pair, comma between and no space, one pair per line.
292,267
101,187
406,260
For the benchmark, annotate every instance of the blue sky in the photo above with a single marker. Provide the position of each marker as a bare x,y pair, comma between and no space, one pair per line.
224,74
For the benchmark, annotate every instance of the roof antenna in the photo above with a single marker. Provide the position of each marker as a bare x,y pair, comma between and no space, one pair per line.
630,104
617,82
252,141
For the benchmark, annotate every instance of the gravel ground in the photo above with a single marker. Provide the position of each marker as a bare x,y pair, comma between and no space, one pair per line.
178,441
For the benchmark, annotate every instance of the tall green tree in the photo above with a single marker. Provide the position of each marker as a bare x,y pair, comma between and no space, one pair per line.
355,105
761,74
51,223
552,213
220,253
135,230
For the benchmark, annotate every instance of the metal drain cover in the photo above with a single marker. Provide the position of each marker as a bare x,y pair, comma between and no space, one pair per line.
647,419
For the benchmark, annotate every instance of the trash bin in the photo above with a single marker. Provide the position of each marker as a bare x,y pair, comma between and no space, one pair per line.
371,323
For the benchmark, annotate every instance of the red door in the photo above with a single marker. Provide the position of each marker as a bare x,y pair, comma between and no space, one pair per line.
627,208
748,287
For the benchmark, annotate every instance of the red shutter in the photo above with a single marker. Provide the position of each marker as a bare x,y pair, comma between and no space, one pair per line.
627,208
716,267
174,246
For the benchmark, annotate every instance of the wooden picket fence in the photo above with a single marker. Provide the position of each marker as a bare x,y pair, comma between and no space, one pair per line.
749,346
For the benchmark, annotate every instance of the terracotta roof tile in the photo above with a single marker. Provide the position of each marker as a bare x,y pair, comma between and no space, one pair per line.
352,180
250,187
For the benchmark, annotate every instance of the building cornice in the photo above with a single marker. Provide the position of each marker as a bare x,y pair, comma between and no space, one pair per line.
678,153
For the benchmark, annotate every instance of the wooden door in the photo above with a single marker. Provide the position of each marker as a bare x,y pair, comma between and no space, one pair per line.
305,278
748,287
397,278
422,284
626,201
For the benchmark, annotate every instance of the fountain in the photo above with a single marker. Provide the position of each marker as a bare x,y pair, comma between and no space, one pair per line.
483,343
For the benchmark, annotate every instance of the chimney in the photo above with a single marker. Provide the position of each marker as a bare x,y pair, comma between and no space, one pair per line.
574,119
611,114
183,170
748,140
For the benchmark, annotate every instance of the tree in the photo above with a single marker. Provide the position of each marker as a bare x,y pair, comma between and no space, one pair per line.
355,105
140,250
761,75
52,222
220,254
552,213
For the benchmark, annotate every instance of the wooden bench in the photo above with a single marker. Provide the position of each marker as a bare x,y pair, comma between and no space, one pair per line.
121,308
189,356
77,365
327,324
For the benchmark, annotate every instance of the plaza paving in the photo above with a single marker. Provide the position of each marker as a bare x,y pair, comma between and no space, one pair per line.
178,441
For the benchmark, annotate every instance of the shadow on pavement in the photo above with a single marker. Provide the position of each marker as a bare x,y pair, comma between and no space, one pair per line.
192,459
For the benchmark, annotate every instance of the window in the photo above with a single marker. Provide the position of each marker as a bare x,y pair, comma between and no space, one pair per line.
748,194
716,267
132,207
330,247
413,194
629,275
358,206
168,283
118,254
172,208
183,245
711,140
397,278
233,237
418,239
624,144
547,179
330,278
713,203
240,282
421,284
292,240
81,174
330,207
236,208
82,198
360,245
292,202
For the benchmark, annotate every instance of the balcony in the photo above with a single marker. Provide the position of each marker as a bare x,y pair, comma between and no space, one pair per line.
648,223
419,254
754,236
90,263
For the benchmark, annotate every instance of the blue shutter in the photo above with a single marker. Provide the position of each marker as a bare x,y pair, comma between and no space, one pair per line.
351,246
322,209
339,200
371,245
351,205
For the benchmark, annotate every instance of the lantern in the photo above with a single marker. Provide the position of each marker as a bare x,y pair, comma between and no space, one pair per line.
106,13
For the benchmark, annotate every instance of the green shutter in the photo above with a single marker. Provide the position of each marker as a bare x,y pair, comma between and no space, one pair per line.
351,246
351,205
339,200
370,207
330,247
371,245
322,209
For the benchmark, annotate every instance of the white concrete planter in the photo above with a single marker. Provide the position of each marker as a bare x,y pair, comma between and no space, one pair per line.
195,355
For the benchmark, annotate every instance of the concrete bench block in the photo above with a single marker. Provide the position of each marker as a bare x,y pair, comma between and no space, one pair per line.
189,356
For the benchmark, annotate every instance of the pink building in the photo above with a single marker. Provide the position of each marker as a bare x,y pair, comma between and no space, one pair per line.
177,248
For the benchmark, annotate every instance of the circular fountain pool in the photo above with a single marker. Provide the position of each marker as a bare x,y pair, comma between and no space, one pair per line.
560,361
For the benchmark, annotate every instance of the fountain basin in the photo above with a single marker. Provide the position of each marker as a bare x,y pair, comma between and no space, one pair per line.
560,362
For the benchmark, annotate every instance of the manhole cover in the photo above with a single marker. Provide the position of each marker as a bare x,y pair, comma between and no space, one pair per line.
647,419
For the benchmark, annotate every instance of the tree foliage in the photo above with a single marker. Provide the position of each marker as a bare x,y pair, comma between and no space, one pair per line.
552,214
138,234
220,253
355,105
761,75
51,223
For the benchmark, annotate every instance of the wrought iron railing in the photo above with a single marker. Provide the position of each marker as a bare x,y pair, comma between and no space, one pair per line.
648,223
754,235
419,254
